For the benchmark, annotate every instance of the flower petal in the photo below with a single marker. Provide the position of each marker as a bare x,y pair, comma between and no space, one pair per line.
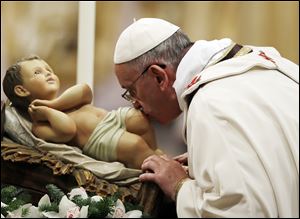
64,205
51,214
96,198
84,211
34,213
133,214
45,200
78,191
119,210
73,212
18,212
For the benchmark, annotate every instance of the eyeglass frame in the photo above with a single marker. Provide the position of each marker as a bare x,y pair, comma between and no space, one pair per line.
129,97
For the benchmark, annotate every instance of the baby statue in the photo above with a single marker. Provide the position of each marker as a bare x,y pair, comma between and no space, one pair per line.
123,135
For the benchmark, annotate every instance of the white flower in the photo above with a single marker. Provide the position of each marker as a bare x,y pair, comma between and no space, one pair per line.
50,214
119,210
96,198
33,212
45,200
133,214
78,191
67,208
65,205
73,212
18,212
84,211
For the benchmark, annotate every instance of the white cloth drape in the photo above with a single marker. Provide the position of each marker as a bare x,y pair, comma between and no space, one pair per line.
242,131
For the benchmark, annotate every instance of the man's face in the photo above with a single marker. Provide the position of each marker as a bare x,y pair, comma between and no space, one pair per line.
153,92
39,79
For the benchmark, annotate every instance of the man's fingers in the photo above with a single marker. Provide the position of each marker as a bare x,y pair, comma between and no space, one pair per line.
165,157
181,156
150,164
152,157
147,177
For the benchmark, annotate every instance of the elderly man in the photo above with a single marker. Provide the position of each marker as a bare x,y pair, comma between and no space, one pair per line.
241,120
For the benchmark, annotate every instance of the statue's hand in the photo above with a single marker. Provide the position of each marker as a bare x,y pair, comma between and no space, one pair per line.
38,102
38,113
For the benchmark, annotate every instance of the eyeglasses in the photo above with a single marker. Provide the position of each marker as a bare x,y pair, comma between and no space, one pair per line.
129,95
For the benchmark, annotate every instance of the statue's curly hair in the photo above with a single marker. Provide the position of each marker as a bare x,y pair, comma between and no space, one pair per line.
12,78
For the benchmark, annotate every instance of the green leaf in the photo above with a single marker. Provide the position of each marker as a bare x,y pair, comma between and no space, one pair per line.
55,193
25,212
78,200
49,207
8,193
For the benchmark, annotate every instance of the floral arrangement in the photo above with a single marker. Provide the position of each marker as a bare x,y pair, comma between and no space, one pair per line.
76,204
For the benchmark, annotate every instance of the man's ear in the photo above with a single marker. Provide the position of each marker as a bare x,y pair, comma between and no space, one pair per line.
161,76
21,91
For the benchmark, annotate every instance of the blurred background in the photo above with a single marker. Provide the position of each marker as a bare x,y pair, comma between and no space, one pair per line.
50,30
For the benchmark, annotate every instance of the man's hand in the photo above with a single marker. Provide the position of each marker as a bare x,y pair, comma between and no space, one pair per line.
182,158
163,171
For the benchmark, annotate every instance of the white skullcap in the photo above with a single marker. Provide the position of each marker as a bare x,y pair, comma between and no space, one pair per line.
142,36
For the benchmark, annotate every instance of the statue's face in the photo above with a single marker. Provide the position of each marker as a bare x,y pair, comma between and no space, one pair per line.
39,79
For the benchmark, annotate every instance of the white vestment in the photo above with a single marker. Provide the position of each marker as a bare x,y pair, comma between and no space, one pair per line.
242,133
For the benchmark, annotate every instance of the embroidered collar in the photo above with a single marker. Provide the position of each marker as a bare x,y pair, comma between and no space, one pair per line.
200,55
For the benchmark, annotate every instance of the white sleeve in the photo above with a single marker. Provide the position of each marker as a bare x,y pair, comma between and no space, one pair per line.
219,187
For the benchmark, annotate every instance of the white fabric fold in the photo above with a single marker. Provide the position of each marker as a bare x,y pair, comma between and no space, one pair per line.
114,172
207,52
